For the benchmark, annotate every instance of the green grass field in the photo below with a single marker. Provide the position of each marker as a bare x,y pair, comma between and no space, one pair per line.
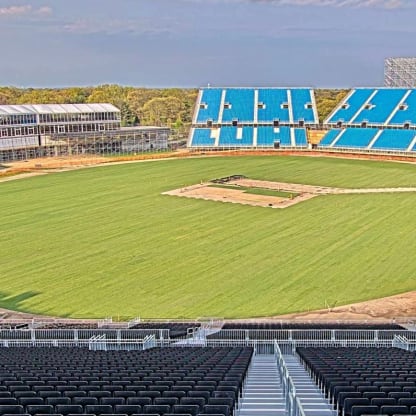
104,241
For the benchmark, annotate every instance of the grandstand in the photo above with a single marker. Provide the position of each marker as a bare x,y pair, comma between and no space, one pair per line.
284,368
369,119
249,117
380,120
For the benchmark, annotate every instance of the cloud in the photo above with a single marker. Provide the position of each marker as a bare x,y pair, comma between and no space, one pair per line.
113,26
44,11
24,10
15,10
380,4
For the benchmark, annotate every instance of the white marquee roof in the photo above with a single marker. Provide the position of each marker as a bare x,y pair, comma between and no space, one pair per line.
6,110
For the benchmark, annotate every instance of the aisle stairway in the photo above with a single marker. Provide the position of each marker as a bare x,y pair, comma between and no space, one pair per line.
263,394
311,398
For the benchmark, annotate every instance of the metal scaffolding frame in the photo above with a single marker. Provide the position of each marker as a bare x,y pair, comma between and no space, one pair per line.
400,72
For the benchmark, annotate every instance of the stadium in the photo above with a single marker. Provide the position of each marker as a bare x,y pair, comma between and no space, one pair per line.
263,268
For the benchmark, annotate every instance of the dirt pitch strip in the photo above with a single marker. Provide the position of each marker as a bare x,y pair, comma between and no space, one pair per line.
208,191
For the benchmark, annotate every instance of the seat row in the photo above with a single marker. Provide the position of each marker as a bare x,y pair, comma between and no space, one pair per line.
194,409
67,381
363,379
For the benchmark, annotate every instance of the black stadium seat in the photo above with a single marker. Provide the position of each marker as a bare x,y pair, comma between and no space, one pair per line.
365,410
76,381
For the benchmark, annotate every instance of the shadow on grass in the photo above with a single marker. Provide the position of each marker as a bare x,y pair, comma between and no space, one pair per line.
15,302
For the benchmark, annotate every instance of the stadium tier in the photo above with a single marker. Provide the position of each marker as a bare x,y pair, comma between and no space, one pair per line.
64,381
249,136
364,381
370,139
376,107
249,117
250,105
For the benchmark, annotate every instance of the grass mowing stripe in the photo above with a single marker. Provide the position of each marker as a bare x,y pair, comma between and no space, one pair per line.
104,241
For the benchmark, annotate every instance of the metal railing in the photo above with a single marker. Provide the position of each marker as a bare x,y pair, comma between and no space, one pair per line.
313,335
403,343
292,402
101,343
203,336
78,337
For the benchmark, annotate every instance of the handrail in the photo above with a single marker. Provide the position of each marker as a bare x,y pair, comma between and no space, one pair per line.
293,405
400,341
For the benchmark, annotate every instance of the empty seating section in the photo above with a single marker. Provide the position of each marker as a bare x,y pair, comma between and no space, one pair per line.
363,138
249,117
209,107
267,136
191,381
176,329
364,381
312,325
380,107
286,330
239,105
272,105
406,114
329,137
236,136
202,137
347,110
394,140
355,137
300,138
302,105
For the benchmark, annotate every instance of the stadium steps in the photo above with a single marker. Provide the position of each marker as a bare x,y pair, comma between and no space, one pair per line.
311,398
263,392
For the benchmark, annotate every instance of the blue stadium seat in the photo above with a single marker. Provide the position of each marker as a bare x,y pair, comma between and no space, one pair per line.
211,100
356,138
228,137
266,136
329,137
301,99
407,115
241,105
347,110
275,105
300,138
202,137
394,140
382,105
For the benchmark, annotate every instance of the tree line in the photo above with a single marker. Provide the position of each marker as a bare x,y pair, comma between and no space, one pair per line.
171,107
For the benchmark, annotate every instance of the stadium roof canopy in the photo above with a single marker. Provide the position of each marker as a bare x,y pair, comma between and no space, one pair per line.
6,110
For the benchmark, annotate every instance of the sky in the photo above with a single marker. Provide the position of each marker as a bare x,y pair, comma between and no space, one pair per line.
193,43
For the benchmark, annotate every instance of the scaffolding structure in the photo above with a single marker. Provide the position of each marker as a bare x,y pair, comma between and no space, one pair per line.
125,141
400,73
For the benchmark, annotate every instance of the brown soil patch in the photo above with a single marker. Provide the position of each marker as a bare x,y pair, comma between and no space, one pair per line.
388,308
211,193
34,167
